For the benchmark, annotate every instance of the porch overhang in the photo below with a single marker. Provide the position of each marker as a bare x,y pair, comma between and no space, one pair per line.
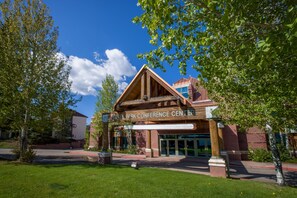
161,127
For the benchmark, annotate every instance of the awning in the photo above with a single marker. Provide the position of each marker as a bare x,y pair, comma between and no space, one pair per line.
161,127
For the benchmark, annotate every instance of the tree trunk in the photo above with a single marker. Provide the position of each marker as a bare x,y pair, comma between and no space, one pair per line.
104,137
280,180
281,138
23,143
287,140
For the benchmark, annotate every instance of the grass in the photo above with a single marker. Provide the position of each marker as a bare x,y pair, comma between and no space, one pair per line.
19,180
11,143
293,160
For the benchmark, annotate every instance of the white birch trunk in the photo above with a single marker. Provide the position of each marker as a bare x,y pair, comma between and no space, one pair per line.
280,179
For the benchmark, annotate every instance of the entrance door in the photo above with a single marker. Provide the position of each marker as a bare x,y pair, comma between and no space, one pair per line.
190,148
171,147
164,147
168,147
204,147
181,147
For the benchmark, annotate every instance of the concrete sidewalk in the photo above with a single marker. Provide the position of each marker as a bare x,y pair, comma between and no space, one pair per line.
244,170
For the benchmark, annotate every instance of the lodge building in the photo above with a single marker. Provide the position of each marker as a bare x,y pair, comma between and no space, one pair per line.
164,120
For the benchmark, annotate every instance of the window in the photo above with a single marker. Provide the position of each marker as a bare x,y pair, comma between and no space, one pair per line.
183,91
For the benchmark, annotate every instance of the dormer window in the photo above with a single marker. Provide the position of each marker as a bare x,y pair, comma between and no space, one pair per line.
184,91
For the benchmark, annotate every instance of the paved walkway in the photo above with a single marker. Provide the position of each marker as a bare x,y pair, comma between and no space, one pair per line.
244,170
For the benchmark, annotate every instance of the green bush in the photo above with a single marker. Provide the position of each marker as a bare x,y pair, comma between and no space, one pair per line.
284,153
132,149
259,155
87,140
263,155
28,156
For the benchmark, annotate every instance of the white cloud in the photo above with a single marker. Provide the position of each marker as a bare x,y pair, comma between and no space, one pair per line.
87,76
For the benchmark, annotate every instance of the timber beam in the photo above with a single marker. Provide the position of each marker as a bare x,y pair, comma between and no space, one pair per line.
150,100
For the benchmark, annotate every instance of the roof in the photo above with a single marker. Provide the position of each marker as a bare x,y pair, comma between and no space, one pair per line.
133,90
75,113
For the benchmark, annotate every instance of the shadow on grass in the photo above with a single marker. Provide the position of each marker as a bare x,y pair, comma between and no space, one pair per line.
58,163
82,165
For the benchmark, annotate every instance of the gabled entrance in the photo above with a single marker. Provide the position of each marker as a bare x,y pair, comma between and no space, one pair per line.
147,91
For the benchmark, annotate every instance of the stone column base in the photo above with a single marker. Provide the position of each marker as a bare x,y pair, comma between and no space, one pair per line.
104,158
217,167
148,152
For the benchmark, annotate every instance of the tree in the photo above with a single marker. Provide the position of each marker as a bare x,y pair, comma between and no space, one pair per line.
33,78
246,54
108,95
106,98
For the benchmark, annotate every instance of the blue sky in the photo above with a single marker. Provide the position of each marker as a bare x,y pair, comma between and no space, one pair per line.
99,38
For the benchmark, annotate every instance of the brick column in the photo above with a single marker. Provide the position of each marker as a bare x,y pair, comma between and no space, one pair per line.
216,164
148,149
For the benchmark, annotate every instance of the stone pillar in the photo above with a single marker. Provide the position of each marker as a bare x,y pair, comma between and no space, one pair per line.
216,163
148,149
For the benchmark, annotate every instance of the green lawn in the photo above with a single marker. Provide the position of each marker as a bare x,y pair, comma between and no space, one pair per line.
19,180
8,143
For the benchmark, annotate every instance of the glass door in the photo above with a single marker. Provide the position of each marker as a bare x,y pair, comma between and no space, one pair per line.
181,147
190,148
171,147
164,147
204,147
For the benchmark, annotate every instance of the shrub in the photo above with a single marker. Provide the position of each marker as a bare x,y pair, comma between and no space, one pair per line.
28,156
284,153
262,155
87,140
132,149
259,155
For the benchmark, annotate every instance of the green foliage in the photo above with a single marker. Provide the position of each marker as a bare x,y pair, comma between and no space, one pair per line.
10,143
132,149
27,156
34,83
284,153
263,155
260,155
108,95
246,53
87,138
106,98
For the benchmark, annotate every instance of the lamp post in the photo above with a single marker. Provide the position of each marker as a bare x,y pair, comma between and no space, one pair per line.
104,157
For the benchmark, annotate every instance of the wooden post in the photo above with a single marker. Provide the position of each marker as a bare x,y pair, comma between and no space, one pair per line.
142,86
214,138
216,164
148,86
221,139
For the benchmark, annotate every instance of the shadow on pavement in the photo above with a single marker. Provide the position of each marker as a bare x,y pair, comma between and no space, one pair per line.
239,171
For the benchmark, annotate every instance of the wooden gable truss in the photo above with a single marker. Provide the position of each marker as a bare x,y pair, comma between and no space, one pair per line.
148,90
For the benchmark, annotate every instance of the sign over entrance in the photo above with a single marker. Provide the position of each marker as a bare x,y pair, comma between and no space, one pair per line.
157,114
